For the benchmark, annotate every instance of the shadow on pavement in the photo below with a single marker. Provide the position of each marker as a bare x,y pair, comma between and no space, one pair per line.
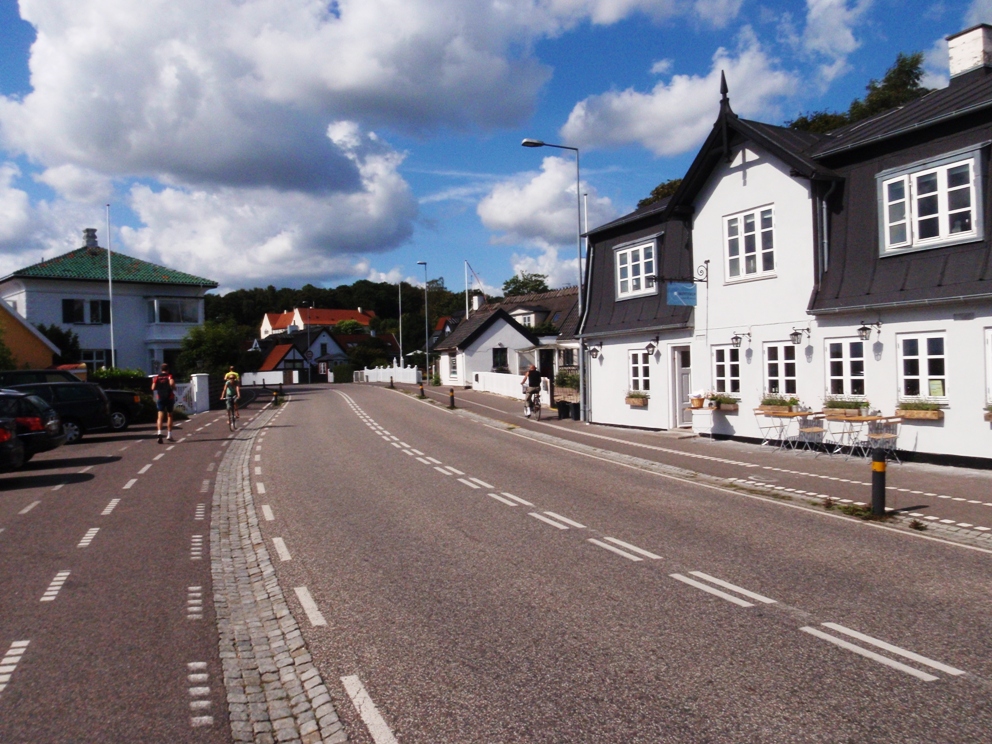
19,482
69,462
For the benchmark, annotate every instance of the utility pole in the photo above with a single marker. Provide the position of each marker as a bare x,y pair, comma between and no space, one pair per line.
427,323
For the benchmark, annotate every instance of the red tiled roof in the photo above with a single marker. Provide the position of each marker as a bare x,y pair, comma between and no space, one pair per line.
275,356
441,322
279,321
320,316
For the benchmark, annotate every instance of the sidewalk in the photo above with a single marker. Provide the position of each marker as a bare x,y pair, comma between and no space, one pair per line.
951,496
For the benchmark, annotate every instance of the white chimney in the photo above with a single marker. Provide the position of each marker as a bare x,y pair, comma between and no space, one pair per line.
360,311
477,301
970,49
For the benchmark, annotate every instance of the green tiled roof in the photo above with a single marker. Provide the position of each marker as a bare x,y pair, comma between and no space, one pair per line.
90,264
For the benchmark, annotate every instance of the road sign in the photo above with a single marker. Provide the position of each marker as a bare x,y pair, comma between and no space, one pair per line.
682,293
308,355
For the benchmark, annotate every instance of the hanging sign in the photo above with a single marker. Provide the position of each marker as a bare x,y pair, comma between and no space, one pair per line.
682,293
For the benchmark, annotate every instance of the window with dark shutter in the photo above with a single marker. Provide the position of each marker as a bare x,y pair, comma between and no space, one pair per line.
72,311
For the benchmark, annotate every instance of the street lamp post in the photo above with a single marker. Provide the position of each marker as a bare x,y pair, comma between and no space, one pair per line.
402,362
427,323
578,208
309,352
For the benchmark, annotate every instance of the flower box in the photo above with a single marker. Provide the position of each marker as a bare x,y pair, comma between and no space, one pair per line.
775,409
637,402
906,413
843,412
726,407
988,416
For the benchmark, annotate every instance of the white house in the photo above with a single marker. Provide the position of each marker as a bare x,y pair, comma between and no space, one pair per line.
487,342
154,306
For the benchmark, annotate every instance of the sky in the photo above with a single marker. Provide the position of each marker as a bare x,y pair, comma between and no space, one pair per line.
286,142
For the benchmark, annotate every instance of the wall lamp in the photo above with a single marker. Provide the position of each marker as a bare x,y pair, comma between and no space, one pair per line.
652,345
864,332
594,352
797,335
737,338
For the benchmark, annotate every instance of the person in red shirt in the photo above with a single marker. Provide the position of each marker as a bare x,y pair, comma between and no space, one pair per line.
164,392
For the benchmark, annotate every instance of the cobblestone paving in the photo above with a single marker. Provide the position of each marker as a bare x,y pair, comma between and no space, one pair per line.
274,691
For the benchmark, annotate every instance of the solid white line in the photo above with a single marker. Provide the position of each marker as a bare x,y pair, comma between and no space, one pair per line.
549,521
516,498
441,470
281,549
636,549
566,520
895,649
267,513
130,483
609,547
468,483
716,592
482,483
732,587
309,606
29,507
374,721
870,654
260,487
145,469
500,498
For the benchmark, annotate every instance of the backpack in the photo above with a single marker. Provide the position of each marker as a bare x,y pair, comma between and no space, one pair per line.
162,387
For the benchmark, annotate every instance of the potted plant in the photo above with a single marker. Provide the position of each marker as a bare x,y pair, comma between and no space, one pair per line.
777,404
841,407
926,410
637,399
988,413
724,403
697,399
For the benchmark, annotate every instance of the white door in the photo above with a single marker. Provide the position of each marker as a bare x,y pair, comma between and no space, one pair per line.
683,385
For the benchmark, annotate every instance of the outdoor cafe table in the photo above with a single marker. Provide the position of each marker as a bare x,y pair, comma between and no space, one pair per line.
786,418
850,432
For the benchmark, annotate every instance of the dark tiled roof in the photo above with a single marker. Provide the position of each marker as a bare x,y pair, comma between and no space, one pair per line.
90,264
658,206
468,330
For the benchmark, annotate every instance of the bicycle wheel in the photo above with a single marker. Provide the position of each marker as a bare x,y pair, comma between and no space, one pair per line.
537,408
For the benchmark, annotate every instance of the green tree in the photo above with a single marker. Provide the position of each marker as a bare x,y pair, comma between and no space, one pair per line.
525,284
349,327
7,360
899,86
659,192
213,347
67,341
370,352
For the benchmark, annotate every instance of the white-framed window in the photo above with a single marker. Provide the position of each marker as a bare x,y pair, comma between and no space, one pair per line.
452,365
922,366
988,365
846,367
931,204
635,270
780,369
727,369
527,321
640,371
750,244
95,359
175,311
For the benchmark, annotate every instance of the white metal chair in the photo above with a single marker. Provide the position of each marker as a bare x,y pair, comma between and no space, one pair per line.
884,435
812,432
771,429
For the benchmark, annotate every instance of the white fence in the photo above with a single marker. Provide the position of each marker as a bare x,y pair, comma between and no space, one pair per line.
410,375
275,377
185,401
508,385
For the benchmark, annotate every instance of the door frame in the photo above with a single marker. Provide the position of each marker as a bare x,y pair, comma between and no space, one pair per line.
675,351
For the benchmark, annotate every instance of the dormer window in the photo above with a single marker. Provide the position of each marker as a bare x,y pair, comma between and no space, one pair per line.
931,204
635,270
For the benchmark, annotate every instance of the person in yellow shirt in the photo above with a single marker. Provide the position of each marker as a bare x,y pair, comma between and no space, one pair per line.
235,378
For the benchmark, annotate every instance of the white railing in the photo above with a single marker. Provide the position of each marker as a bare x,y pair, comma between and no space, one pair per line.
409,375
185,401
508,385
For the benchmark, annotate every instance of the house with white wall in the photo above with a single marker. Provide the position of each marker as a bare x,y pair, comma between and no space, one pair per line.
854,264
154,307
490,340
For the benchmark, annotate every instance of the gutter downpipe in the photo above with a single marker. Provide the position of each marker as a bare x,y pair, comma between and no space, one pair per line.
583,398
825,260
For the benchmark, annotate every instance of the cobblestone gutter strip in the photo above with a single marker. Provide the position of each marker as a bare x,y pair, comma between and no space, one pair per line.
950,533
274,691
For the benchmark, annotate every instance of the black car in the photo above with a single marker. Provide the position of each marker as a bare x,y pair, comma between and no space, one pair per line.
38,425
125,405
82,406
11,447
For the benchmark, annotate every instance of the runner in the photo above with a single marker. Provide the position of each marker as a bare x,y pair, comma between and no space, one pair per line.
232,375
164,392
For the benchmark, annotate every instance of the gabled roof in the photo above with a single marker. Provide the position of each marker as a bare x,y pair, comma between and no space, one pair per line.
469,330
90,264
322,316
279,321
275,357
16,317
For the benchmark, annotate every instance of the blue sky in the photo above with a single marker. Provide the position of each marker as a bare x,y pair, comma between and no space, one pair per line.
260,141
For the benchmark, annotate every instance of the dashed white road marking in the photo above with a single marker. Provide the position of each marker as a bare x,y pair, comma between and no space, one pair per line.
145,469
442,470
260,487
416,451
160,455
258,458
482,483
408,452
88,537
516,498
87,469
196,548
29,507
194,603
281,549
566,520
309,606
201,512
110,507
634,548
58,487
197,675
895,650
468,483
456,471
710,590
130,483
500,498
258,470
10,660
436,462
53,589
869,654
543,518
210,466
267,513
612,549
424,460
374,722
170,447
404,444
205,486
396,445
733,587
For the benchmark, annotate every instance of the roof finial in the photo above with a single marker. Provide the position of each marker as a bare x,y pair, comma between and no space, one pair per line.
724,99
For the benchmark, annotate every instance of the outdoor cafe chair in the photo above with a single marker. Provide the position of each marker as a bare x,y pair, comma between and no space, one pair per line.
812,432
770,428
884,435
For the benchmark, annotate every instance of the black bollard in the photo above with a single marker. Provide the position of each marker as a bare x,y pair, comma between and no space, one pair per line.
391,383
451,398
878,483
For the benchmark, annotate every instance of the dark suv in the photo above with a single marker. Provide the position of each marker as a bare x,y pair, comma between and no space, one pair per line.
125,405
37,424
82,406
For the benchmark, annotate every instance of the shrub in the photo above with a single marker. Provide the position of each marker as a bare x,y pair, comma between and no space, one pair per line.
774,400
721,398
565,379
845,403
637,394
919,405
343,373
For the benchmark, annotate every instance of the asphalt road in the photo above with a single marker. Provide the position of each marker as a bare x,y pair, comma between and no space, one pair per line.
106,626
462,614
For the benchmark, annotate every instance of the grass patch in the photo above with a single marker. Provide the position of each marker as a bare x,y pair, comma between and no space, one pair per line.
861,512
918,525
829,502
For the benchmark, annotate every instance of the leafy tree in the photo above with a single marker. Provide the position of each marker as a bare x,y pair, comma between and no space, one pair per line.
659,192
213,347
349,327
547,328
900,85
525,284
7,360
370,352
66,340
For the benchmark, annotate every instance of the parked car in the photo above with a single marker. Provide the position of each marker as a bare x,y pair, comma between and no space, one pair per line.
82,406
11,446
125,405
37,424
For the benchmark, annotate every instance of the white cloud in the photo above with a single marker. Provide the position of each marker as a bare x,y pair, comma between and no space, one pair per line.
717,13
980,11
541,206
662,67
936,69
675,117
78,184
829,34
560,271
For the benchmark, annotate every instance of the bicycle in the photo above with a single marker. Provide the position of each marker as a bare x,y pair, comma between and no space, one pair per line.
534,405
231,414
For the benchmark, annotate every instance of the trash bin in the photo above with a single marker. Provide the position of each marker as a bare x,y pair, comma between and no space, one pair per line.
564,410
576,412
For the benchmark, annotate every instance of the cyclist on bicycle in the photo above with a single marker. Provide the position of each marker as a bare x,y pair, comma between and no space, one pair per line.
532,386
232,375
230,394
